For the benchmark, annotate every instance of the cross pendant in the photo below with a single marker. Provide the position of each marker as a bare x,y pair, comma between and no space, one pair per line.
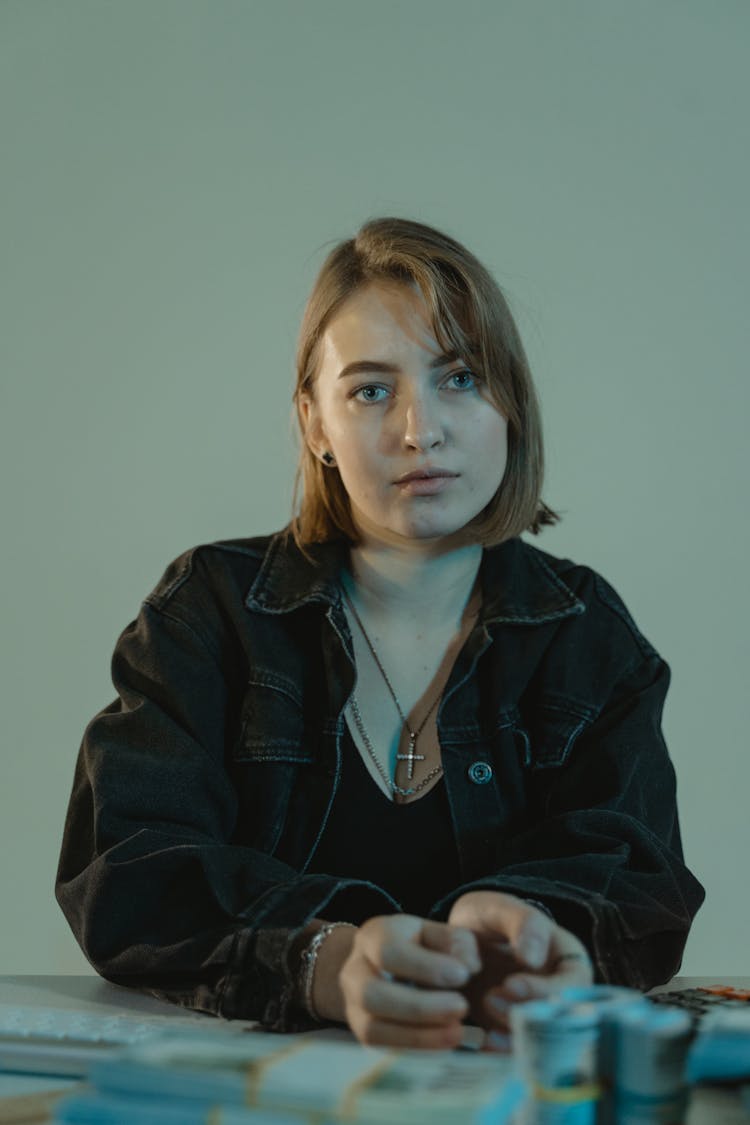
410,757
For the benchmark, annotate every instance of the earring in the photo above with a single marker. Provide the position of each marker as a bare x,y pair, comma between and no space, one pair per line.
328,458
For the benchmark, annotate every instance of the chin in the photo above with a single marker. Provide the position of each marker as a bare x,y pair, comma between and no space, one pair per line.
430,532
417,527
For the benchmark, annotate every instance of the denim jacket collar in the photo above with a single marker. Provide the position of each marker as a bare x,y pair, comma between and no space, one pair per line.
519,587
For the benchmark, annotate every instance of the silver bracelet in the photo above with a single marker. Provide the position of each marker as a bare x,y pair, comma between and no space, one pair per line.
309,956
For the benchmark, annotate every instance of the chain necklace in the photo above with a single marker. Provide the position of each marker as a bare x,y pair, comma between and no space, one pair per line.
411,755
391,784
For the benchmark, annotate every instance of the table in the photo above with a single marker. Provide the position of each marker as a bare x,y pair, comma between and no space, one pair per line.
91,993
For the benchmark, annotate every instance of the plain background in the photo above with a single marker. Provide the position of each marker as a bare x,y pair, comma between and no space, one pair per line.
174,173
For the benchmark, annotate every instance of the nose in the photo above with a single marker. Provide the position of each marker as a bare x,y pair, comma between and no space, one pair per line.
423,427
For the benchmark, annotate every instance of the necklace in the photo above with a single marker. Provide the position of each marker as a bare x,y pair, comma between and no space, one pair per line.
391,784
411,755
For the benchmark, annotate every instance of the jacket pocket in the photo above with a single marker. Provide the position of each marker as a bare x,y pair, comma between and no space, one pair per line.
272,726
271,746
546,733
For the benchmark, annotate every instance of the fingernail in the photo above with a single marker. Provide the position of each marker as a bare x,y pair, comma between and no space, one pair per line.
455,975
472,1038
475,964
501,1006
533,951
456,1003
459,950
518,989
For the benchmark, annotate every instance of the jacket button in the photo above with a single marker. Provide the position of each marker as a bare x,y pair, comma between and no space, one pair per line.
480,772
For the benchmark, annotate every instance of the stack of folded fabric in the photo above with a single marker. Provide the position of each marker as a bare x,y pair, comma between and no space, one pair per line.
265,1079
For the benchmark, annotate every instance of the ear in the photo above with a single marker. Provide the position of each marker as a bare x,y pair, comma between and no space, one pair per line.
312,426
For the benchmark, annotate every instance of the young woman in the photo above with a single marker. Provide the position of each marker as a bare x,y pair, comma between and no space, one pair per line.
391,766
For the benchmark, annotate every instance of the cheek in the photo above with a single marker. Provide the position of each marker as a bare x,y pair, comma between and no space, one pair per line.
487,431
346,430
357,447
488,452
358,467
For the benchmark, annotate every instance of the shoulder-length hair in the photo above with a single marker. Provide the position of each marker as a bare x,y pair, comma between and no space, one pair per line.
469,316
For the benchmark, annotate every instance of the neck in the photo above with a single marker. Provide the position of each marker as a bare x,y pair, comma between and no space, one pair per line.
409,585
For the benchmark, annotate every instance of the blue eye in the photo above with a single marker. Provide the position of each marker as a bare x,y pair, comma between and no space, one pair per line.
359,393
375,392
464,374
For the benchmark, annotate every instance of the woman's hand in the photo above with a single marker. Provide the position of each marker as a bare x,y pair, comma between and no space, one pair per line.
402,979
525,955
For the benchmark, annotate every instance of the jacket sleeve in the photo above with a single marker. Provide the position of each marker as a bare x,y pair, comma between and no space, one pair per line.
602,850
157,895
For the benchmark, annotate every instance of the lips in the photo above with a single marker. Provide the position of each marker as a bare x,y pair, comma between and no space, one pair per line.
424,474
425,482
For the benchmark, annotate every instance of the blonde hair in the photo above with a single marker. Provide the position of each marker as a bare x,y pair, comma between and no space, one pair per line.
470,317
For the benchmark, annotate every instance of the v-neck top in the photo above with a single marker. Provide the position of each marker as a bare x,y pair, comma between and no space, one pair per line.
408,850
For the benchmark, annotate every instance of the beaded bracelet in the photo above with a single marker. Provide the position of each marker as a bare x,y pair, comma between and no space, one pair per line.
309,956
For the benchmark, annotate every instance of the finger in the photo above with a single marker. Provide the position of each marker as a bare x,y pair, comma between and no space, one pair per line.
404,1004
568,962
520,987
391,952
373,1031
473,1037
575,964
517,926
456,941
532,941
497,1005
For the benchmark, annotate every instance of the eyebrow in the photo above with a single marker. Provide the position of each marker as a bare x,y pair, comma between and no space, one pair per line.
360,365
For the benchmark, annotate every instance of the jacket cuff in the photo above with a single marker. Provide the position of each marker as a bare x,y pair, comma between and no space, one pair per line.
259,984
594,920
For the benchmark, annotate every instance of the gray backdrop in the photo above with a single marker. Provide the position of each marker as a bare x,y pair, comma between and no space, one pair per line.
173,174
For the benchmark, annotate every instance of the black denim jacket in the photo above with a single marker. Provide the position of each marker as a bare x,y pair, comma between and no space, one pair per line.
201,791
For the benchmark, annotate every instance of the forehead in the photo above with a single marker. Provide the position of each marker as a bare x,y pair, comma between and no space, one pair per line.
378,321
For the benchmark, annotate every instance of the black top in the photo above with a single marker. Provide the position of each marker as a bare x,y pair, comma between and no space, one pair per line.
407,849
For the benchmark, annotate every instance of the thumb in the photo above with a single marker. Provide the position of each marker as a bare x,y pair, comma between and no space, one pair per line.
511,924
456,941
533,940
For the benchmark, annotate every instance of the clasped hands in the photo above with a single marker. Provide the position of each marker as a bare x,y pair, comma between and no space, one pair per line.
411,982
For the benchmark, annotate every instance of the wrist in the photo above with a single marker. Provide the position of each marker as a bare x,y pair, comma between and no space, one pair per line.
320,962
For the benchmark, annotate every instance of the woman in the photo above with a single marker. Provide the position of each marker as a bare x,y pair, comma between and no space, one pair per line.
392,766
